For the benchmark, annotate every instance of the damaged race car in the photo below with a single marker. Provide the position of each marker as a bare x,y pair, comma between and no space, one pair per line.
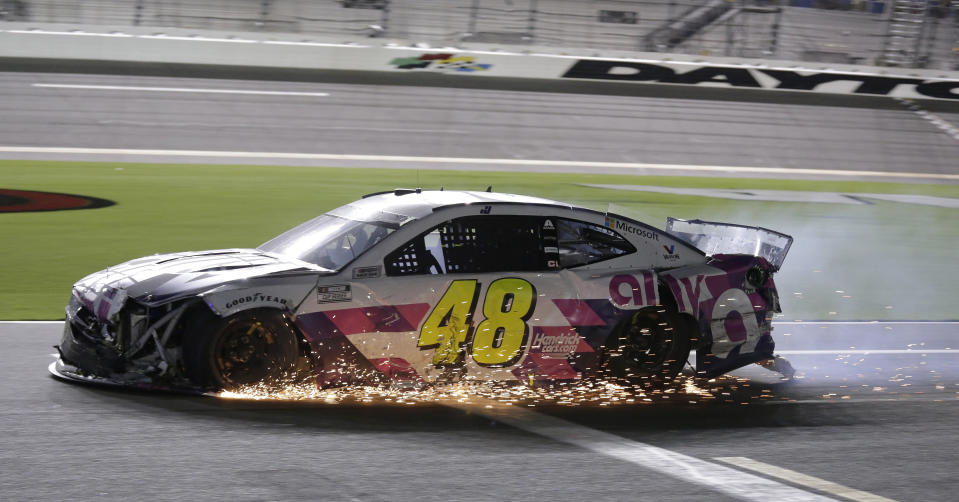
420,287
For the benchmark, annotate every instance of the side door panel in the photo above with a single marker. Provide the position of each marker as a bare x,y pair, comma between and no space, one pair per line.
355,325
519,332
487,326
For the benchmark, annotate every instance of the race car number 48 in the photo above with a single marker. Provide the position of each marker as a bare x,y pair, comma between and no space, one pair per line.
499,340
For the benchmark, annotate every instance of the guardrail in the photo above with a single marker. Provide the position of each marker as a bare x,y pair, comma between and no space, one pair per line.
212,49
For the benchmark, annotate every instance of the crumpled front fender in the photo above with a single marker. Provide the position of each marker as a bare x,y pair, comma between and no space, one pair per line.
281,293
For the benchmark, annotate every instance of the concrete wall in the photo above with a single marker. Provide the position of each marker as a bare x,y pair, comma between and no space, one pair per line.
54,44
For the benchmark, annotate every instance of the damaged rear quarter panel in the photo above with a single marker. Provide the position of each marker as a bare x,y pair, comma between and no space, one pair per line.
733,316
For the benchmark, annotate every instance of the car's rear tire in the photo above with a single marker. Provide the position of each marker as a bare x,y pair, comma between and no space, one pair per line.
648,349
255,347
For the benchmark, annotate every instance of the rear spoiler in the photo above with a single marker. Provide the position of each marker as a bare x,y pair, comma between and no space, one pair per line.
714,238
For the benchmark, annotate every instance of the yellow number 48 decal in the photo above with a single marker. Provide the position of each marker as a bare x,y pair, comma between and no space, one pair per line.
498,341
448,325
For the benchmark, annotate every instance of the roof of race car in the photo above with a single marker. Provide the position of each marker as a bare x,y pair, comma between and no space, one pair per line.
419,203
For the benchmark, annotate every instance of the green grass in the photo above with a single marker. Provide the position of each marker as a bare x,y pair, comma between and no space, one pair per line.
889,260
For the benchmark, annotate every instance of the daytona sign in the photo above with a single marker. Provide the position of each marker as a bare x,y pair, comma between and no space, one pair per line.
764,78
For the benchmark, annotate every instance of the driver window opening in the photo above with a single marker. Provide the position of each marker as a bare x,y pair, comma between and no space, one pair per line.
472,244
581,243
478,244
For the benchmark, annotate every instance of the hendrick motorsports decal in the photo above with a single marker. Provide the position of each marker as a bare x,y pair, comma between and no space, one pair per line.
762,78
23,201
560,345
440,62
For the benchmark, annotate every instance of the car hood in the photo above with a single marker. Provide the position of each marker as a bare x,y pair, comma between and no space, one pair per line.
161,278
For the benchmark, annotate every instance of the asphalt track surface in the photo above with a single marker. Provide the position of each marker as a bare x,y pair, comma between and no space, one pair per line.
133,113
874,409
881,424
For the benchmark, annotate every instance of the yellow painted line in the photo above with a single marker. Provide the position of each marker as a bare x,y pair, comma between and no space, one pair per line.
804,480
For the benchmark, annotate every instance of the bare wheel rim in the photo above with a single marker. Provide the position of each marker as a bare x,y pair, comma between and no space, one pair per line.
246,353
645,345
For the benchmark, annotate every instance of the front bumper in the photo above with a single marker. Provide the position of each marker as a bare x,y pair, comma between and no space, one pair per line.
86,359
92,355
92,351
70,373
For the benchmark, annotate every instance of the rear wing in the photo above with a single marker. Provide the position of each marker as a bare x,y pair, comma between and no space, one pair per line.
714,238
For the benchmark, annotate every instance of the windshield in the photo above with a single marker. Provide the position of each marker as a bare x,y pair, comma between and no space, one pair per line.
330,241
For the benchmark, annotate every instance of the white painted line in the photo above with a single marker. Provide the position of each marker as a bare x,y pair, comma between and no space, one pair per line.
190,38
801,196
151,123
196,38
875,323
930,117
922,398
865,351
709,475
804,480
314,44
76,33
180,89
485,161
740,193
31,322
926,200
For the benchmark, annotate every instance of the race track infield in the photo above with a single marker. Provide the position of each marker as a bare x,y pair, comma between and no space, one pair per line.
884,260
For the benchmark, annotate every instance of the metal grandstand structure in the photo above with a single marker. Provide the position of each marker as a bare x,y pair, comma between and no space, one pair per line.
902,33
910,34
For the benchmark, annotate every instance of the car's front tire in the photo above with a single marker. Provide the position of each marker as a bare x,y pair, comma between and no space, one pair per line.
647,349
255,347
